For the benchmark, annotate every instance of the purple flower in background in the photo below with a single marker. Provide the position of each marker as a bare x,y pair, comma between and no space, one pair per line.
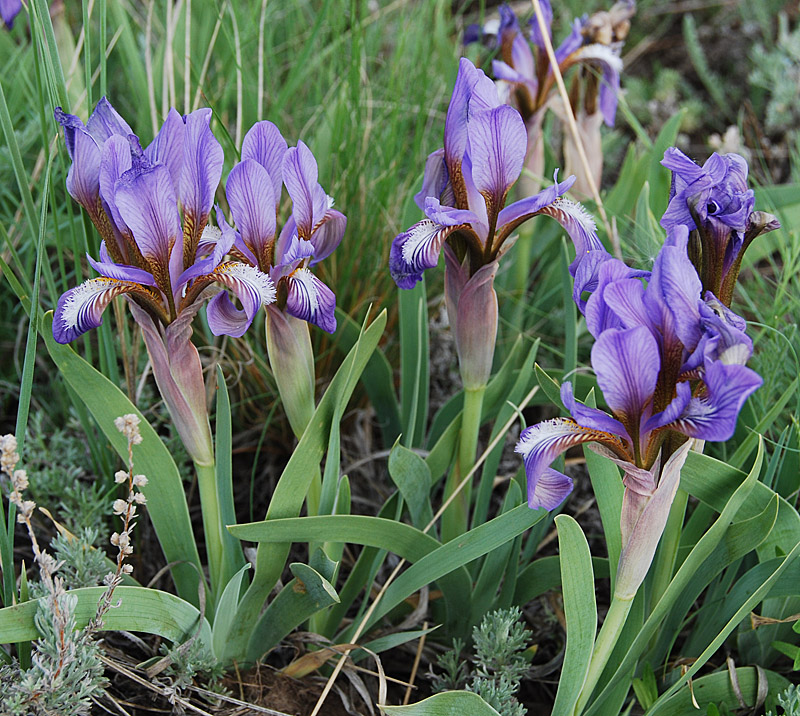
310,234
9,9
527,80
715,204
152,207
463,196
667,361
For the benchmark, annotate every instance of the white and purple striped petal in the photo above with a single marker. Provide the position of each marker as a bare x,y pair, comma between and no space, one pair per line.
541,444
415,250
591,417
81,308
250,286
265,144
311,300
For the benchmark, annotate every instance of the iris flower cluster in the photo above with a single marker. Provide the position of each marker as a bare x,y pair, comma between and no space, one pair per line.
526,79
669,356
463,196
152,207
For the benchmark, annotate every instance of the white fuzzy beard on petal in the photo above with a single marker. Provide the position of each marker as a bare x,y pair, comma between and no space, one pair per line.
82,299
210,233
306,279
576,211
420,237
601,53
251,277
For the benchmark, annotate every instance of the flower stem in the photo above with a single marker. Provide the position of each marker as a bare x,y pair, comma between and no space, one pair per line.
455,519
668,550
603,646
212,523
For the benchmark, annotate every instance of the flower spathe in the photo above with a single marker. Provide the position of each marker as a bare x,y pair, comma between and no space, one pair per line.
668,360
715,204
152,207
308,236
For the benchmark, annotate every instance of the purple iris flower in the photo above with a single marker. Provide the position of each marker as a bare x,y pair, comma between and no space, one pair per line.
309,235
466,184
669,362
526,81
595,41
716,205
152,207
9,9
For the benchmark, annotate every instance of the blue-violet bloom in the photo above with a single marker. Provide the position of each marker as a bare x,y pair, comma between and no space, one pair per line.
717,207
463,195
526,81
670,364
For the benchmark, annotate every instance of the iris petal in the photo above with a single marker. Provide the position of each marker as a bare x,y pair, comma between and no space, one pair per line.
311,300
265,144
498,142
713,416
253,289
309,201
81,308
627,363
251,198
415,250
542,443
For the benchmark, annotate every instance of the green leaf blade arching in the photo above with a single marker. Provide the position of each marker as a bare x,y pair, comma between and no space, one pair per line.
166,500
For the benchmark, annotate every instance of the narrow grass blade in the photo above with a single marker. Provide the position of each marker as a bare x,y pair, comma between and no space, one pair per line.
580,609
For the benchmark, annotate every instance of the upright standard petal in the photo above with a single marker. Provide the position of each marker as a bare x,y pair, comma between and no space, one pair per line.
202,169
473,92
116,160
497,146
434,180
147,203
251,199
536,34
265,144
105,122
327,235
167,147
627,363
309,200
